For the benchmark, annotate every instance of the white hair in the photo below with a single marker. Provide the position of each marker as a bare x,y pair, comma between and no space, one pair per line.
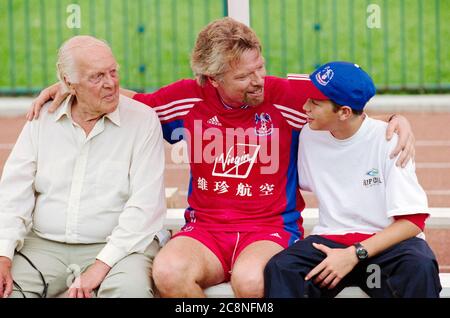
66,65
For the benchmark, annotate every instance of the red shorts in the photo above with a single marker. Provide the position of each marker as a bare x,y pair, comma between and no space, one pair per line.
228,245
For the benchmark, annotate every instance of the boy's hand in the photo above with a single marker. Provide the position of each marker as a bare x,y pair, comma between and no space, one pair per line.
338,263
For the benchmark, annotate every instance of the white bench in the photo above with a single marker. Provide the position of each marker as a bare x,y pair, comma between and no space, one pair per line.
170,196
439,218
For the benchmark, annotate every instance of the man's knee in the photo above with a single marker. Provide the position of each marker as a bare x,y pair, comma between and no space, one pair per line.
125,286
248,283
130,283
130,278
169,273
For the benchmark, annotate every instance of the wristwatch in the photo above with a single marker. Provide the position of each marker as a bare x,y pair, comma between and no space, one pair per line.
361,252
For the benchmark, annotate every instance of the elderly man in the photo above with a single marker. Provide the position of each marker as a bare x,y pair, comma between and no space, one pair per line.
242,129
82,191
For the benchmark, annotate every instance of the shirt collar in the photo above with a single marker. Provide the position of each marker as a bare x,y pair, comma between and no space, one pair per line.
66,107
245,106
114,117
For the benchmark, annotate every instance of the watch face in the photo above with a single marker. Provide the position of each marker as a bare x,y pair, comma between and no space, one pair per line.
361,253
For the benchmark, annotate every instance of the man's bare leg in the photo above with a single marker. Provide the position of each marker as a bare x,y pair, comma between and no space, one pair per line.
184,267
247,278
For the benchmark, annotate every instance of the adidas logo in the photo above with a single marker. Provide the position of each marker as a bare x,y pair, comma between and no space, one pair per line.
214,121
276,235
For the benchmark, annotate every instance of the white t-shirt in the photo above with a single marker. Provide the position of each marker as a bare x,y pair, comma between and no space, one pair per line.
358,187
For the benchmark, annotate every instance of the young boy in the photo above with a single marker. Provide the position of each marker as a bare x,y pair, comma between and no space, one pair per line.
371,212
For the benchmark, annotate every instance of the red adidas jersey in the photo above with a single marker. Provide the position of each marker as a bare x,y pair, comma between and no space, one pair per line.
243,162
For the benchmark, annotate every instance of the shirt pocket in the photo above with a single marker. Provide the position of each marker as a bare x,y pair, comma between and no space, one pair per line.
112,185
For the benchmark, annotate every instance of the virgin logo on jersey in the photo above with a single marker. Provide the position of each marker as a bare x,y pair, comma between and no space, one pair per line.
233,151
263,124
236,166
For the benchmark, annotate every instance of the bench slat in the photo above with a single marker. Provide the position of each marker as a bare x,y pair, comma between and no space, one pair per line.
439,218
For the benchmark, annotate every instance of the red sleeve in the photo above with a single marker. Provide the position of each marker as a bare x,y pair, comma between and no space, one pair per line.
417,219
176,93
172,103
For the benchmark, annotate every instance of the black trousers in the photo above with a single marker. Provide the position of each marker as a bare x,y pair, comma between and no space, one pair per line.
408,269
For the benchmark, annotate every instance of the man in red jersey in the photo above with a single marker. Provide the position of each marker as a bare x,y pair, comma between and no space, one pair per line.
242,129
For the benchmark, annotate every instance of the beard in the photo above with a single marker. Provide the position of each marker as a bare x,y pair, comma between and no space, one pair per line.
254,100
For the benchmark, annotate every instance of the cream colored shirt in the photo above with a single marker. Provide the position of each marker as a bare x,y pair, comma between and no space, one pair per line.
69,187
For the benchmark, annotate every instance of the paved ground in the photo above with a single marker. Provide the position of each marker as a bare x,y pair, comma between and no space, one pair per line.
432,162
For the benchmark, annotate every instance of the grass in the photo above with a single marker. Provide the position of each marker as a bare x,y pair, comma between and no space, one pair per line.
152,39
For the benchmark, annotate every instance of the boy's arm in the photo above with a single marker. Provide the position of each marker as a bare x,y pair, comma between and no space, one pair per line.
395,233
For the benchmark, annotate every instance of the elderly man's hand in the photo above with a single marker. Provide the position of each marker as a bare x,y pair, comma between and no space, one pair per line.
83,286
6,281
406,140
57,92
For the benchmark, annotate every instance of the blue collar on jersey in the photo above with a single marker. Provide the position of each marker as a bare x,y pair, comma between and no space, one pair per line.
229,107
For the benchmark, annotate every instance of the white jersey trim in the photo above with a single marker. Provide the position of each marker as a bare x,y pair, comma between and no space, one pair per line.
294,124
176,102
291,114
174,109
299,120
173,115
298,77
290,110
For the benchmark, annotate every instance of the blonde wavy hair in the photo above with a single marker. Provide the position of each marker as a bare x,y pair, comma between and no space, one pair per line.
219,45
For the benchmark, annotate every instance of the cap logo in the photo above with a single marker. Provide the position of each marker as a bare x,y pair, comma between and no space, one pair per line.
324,76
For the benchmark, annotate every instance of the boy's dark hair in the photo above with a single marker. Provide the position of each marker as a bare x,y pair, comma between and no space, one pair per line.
336,108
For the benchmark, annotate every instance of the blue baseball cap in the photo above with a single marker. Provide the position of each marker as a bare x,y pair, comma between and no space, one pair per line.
344,83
